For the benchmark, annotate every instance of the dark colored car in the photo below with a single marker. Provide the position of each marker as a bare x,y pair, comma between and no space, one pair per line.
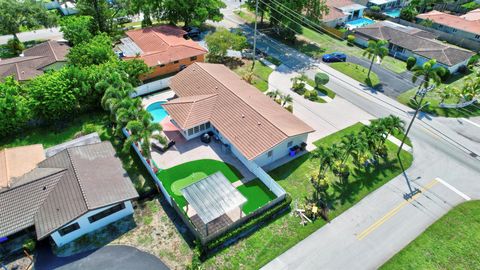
192,32
334,57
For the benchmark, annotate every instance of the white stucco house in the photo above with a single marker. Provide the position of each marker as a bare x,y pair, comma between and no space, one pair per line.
405,41
210,97
341,12
73,192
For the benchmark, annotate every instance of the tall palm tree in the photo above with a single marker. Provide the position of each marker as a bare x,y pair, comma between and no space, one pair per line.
115,90
128,111
430,73
325,156
142,130
392,124
274,94
376,48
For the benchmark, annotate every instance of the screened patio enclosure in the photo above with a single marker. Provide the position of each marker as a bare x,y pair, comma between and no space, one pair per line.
213,199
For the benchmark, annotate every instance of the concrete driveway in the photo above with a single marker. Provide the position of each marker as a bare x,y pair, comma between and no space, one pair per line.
325,118
105,258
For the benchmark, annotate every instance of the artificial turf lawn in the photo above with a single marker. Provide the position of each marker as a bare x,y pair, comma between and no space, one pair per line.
191,172
284,232
257,195
452,242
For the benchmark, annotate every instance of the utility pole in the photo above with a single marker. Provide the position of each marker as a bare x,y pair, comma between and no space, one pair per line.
422,92
255,35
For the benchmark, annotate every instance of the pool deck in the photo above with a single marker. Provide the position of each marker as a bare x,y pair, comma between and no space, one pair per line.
160,96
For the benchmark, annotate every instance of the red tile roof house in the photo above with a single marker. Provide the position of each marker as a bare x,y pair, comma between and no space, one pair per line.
465,26
35,60
210,97
163,48
342,11
64,196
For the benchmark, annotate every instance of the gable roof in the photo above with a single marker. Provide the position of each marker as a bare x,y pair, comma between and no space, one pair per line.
416,41
247,118
34,60
163,44
469,22
15,162
63,187
339,9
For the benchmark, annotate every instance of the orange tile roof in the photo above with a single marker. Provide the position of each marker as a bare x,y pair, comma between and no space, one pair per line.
17,161
469,22
251,121
164,44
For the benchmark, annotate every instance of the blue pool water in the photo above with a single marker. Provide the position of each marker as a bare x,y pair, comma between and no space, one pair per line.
157,111
359,22
394,13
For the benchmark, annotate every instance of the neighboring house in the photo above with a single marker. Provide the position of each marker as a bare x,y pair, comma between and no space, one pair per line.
163,48
385,4
210,97
65,196
35,60
407,41
465,26
342,11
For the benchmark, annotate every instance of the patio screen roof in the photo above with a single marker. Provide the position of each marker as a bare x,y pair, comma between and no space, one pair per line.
381,2
213,196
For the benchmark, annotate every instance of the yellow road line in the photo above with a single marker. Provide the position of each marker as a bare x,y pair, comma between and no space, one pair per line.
395,210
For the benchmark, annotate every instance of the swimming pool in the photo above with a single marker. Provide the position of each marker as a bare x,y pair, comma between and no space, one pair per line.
394,13
359,23
157,111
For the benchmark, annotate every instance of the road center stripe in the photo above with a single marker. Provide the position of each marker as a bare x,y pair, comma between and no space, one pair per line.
461,194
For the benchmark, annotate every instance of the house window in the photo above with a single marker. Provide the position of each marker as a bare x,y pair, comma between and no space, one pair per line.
193,58
106,212
175,62
270,153
290,143
207,125
197,129
202,127
190,131
161,65
69,229
454,30
477,36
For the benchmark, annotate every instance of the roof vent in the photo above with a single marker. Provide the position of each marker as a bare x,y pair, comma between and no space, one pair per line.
243,115
258,123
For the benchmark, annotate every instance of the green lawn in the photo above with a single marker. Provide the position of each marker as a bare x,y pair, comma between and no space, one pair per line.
434,97
257,195
452,242
180,176
322,88
357,72
261,73
284,232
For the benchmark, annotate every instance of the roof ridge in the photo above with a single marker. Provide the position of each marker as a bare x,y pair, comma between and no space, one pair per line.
51,48
15,187
248,85
6,167
76,176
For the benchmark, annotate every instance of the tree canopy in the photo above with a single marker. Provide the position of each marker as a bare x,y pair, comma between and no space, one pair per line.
222,40
14,109
29,13
77,29
94,52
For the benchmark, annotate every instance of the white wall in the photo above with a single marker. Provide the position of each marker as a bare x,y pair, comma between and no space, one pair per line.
86,226
280,151
151,87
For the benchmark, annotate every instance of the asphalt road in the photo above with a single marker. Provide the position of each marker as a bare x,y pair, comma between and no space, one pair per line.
445,170
105,258
41,34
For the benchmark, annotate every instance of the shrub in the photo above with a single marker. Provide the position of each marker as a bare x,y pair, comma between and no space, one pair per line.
350,39
445,74
408,13
411,61
29,245
306,95
375,8
289,108
473,60
15,46
313,95
321,79
463,69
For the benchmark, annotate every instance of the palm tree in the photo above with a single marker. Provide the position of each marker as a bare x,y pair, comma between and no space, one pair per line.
392,124
376,48
128,111
274,94
142,130
286,99
325,156
430,72
115,90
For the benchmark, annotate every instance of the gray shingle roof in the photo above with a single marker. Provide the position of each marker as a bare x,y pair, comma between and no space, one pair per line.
416,41
76,180
19,204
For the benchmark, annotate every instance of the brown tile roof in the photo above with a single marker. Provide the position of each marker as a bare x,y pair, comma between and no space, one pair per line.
191,111
64,187
413,40
17,161
34,60
164,44
469,22
251,121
